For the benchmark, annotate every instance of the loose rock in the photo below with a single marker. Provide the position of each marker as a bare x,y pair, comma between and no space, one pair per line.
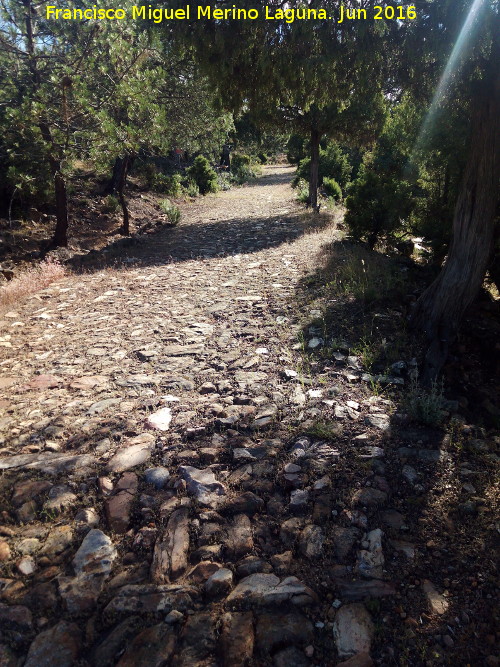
353,630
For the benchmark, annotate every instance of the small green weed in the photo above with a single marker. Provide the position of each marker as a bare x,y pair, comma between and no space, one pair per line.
302,191
425,406
324,430
172,211
364,276
367,351
110,204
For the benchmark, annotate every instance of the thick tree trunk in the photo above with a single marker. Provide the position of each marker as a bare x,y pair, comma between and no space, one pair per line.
440,308
61,232
121,187
313,177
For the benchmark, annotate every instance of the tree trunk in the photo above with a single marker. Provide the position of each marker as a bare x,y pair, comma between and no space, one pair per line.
112,185
121,187
60,237
440,308
61,233
313,177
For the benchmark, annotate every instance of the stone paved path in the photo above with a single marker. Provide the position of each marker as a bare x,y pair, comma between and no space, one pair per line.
164,499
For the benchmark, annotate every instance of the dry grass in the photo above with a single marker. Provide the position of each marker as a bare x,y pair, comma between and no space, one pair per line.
30,281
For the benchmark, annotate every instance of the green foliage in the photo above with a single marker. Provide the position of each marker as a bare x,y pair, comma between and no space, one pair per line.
241,168
203,175
224,181
425,406
377,205
302,191
172,211
190,188
147,172
110,205
333,163
251,138
167,184
325,430
366,276
295,149
399,192
239,160
332,188
72,94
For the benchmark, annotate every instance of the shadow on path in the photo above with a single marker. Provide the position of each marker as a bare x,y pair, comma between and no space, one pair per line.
202,239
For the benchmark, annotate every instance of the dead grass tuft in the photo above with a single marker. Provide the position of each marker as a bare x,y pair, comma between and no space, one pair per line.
30,281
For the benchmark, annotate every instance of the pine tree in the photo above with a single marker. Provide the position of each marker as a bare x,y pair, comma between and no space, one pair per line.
314,77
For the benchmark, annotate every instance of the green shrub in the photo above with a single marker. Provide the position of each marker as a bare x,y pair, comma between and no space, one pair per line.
332,188
146,171
190,188
333,162
167,184
239,160
425,406
241,168
243,175
302,191
224,180
203,175
377,205
172,211
110,204
295,150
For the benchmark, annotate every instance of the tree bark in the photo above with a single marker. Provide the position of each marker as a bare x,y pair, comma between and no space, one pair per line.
313,177
120,189
60,237
112,185
440,308
61,232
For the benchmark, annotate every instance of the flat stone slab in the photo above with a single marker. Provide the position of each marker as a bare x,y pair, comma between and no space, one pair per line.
58,646
181,350
260,589
60,497
203,485
119,505
438,604
353,630
359,590
51,463
160,420
249,376
371,560
149,598
95,555
139,379
428,455
57,541
88,382
80,594
380,421
153,646
369,497
275,630
131,456
170,557
100,406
